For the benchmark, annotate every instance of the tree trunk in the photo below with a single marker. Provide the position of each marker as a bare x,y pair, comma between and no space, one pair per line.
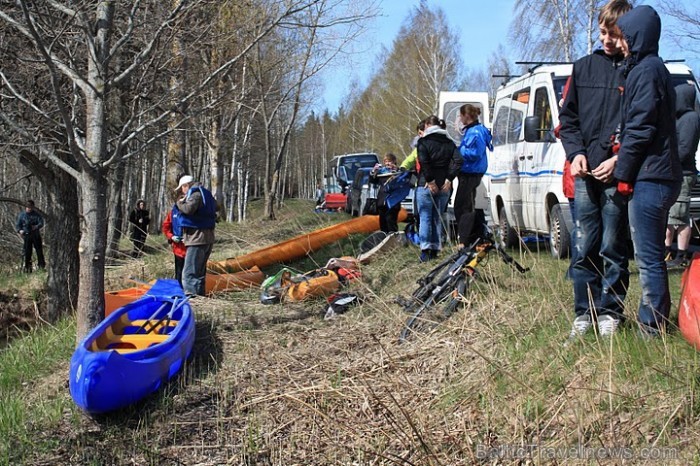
93,244
94,183
64,227
217,166
116,210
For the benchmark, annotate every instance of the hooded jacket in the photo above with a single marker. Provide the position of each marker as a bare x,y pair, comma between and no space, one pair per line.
438,156
687,127
649,149
590,115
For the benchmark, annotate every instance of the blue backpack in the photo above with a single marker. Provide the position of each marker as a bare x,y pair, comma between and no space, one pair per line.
397,188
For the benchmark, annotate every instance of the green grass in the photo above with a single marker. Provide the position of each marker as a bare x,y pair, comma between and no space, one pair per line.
279,385
31,360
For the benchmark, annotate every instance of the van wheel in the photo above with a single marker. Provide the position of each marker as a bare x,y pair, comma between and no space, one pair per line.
559,235
509,237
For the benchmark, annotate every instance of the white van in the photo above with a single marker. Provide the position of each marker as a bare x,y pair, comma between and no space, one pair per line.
526,167
450,103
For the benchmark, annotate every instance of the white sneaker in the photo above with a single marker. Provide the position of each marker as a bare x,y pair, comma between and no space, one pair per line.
580,326
607,325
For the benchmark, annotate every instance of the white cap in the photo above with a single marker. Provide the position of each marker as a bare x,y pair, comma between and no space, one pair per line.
184,180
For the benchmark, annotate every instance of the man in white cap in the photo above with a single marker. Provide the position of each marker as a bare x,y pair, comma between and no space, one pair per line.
198,219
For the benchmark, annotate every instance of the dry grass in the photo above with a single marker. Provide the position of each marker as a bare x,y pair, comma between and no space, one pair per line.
278,385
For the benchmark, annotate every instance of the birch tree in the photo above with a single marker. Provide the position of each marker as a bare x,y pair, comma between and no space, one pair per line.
554,30
76,45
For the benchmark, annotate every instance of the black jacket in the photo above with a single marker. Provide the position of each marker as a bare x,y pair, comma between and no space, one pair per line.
439,158
649,148
591,111
140,214
687,127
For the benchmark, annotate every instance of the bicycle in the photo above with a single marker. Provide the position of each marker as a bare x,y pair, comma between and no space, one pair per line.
449,281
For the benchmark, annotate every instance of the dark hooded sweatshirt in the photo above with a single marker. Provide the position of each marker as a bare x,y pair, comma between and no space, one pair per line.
687,126
649,149
591,111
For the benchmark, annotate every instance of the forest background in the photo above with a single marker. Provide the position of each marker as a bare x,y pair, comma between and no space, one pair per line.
103,103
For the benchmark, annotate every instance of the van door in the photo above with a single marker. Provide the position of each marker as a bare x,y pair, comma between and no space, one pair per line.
543,162
508,156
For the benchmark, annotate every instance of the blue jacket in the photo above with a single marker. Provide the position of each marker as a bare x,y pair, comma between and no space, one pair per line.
649,146
29,222
204,217
476,139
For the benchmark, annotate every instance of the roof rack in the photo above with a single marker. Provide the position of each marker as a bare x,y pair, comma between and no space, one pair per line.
536,64
505,77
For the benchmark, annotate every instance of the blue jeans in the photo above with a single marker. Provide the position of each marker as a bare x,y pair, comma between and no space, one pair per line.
648,211
599,265
430,209
194,271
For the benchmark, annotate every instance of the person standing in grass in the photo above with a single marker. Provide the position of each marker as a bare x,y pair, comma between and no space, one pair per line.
139,218
475,140
648,168
688,131
28,226
590,117
381,173
198,208
439,162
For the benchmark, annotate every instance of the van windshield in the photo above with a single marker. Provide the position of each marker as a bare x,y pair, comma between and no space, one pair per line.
353,162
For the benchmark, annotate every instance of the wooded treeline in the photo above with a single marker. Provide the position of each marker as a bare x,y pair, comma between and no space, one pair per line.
106,102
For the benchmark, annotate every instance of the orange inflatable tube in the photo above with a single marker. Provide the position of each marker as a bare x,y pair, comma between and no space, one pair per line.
689,312
213,283
301,245
250,278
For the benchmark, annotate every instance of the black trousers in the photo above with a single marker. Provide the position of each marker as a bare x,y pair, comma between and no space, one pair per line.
388,218
33,240
138,236
179,265
464,205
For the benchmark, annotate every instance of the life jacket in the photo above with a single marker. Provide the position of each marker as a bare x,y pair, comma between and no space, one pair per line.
205,217
397,188
176,219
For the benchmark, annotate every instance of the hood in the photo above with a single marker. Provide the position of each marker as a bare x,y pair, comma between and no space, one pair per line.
434,130
641,27
685,98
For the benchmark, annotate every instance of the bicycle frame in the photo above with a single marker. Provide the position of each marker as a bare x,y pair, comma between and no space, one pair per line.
464,262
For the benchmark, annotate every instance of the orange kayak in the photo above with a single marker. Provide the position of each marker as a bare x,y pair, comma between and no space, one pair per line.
689,312
214,283
301,245
116,299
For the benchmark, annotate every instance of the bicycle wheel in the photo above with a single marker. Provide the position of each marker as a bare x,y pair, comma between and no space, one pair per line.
437,295
456,299
413,320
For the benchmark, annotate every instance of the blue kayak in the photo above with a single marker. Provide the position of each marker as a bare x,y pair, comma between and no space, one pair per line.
134,351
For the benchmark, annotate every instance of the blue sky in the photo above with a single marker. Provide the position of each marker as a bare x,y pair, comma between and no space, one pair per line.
486,22
482,25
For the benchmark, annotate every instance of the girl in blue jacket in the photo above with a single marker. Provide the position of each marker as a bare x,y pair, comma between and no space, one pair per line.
476,139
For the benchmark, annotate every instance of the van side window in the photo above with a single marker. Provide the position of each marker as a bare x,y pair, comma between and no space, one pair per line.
500,123
543,112
518,111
